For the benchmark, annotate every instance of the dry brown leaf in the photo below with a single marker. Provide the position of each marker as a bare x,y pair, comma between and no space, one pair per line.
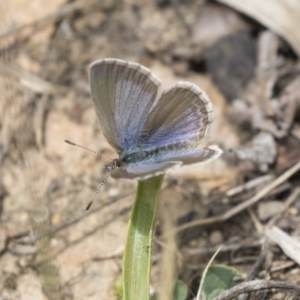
289,245
281,16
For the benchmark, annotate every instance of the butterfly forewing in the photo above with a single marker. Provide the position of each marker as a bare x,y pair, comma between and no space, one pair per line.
123,94
198,155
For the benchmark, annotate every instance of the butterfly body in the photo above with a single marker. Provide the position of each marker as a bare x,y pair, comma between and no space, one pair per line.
151,155
152,130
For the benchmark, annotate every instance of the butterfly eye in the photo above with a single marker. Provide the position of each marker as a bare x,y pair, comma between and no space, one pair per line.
127,159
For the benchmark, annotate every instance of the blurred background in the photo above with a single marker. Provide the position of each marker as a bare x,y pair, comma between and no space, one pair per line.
246,58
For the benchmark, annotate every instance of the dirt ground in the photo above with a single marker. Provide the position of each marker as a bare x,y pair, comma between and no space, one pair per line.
245,58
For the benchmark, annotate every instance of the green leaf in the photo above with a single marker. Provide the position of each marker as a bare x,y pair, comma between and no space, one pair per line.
219,278
180,290
137,254
118,288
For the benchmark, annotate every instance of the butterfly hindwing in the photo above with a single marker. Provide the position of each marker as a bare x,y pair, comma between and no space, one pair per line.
182,113
144,171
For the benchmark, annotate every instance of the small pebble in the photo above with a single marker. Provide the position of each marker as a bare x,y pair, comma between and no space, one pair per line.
216,237
269,209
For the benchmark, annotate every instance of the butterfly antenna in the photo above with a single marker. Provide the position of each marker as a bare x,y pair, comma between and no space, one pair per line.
97,192
73,144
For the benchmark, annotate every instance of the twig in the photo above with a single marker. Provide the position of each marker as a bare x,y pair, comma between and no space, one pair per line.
261,259
249,185
64,10
234,211
258,226
256,285
282,266
229,247
181,16
289,245
256,268
71,221
205,273
31,81
28,239
287,204
117,253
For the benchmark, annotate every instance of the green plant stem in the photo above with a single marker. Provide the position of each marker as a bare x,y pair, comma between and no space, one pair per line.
138,249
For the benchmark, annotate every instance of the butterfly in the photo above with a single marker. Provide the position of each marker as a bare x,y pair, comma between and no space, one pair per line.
152,130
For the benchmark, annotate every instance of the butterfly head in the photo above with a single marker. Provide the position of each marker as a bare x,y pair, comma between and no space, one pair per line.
116,163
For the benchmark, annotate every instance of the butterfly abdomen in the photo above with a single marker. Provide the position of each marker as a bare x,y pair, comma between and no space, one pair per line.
144,156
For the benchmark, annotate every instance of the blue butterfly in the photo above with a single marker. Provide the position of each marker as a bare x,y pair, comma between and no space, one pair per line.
152,130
